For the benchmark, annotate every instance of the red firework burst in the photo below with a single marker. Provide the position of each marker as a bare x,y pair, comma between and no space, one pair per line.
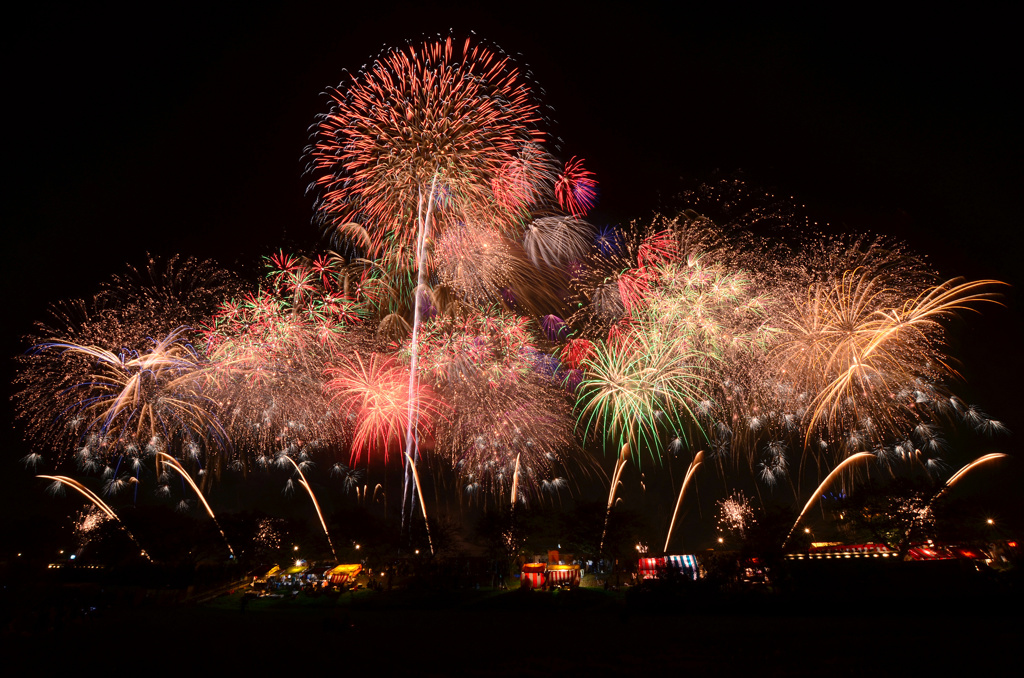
376,395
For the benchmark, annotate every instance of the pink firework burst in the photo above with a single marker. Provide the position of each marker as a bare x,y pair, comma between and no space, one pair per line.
576,188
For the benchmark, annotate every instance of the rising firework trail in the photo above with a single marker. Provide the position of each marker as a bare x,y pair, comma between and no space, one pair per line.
316,504
423,504
173,463
825,483
94,498
515,486
412,450
620,464
697,460
962,472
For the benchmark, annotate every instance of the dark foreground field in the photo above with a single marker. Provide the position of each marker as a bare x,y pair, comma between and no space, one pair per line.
820,630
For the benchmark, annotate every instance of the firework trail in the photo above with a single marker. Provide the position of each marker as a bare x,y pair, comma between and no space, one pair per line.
411,465
282,458
984,459
173,463
102,505
698,459
860,456
620,464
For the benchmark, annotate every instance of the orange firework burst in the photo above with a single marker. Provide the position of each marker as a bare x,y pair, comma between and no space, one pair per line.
857,354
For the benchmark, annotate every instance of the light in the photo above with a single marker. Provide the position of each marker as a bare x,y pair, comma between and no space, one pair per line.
295,548
990,521
357,547
417,551
721,541
807,530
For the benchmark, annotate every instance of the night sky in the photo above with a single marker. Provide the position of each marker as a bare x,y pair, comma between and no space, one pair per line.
182,131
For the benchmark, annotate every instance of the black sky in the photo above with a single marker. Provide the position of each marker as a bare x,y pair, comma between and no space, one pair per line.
181,130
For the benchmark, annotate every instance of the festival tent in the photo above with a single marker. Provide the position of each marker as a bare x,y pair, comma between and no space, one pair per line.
343,575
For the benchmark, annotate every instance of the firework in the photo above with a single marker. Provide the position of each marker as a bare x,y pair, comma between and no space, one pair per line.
430,122
167,297
374,394
527,180
576,188
857,353
88,521
498,347
513,433
735,514
475,261
268,351
136,402
637,389
556,241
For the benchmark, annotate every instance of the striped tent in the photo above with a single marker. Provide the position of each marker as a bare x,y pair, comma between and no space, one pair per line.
563,575
650,568
685,565
533,575
343,575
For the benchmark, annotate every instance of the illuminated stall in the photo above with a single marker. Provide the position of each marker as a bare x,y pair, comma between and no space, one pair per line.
343,576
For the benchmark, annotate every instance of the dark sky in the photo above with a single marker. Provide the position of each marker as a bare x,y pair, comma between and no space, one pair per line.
182,130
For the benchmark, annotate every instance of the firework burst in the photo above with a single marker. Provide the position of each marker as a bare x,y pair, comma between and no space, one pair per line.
735,514
374,395
430,122
135,403
857,353
517,434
